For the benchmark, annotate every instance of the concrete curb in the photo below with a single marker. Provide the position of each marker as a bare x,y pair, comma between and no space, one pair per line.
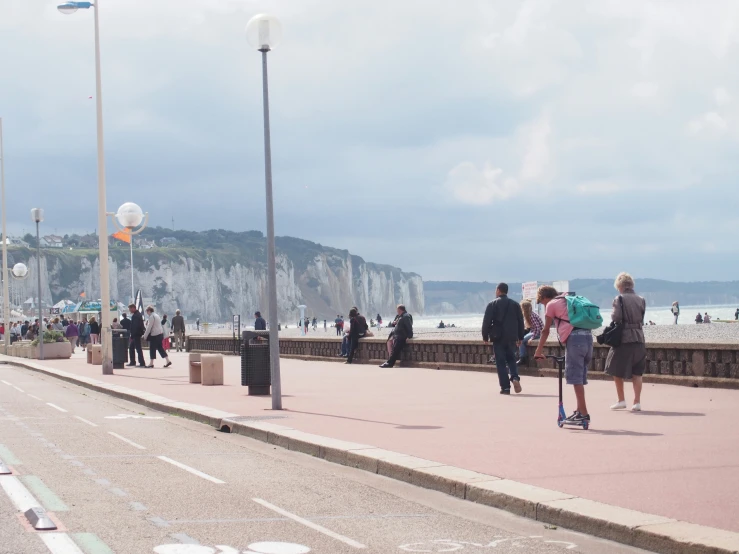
647,531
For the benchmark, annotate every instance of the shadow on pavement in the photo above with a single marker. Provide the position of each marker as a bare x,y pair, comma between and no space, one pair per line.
622,433
670,414
396,425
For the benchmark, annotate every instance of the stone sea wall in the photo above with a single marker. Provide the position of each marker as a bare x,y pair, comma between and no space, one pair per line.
686,364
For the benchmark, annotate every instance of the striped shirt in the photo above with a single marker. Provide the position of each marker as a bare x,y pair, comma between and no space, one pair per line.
537,326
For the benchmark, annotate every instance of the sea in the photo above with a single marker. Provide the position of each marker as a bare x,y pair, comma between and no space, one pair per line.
659,315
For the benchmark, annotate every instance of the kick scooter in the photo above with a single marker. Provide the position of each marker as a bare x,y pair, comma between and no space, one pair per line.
562,417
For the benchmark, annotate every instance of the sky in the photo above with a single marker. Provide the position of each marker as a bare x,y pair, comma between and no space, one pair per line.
495,140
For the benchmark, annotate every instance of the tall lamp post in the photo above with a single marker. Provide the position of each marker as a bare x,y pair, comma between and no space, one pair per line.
37,215
69,8
264,32
126,219
6,292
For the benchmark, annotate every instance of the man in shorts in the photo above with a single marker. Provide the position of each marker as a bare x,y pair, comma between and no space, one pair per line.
578,346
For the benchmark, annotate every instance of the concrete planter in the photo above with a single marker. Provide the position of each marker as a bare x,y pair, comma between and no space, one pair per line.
53,351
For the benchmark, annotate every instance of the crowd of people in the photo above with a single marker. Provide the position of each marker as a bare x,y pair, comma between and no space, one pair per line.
508,326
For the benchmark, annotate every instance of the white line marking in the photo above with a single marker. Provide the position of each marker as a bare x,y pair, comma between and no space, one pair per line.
18,493
18,388
314,526
34,397
83,420
124,439
56,407
192,470
60,543
9,384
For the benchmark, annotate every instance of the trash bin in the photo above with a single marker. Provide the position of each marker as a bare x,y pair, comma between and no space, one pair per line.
120,348
255,367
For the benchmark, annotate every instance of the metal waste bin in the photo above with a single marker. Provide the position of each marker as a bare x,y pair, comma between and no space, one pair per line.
120,348
255,367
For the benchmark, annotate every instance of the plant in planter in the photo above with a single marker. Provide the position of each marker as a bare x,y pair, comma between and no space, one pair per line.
50,337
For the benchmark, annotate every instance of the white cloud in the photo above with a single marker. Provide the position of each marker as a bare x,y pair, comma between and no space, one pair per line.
709,122
721,96
537,158
595,188
473,185
645,90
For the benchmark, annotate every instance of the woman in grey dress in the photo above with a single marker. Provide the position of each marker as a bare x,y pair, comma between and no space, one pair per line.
629,360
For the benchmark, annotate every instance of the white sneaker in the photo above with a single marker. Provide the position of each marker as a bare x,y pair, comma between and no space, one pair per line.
636,408
619,405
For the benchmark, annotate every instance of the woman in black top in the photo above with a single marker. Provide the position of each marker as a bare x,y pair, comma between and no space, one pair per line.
94,331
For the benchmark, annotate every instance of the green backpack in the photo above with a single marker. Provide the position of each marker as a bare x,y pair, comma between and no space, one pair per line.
583,314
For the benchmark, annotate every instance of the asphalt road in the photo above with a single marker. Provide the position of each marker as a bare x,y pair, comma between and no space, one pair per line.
116,477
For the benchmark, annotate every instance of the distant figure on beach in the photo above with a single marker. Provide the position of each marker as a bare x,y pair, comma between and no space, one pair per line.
197,324
736,314
306,324
441,325
706,318
629,359
325,326
675,310
699,318
315,323
339,324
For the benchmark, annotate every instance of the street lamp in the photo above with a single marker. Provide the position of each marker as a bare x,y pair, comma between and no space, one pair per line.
6,292
127,218
69,8
37,215
264,32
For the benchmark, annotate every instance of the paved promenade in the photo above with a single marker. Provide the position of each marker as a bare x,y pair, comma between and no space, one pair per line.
679,458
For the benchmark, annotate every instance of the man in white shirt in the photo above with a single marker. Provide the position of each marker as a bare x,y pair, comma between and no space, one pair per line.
155,335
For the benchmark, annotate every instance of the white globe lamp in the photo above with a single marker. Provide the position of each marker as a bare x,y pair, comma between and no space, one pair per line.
130,215
20,270
264,32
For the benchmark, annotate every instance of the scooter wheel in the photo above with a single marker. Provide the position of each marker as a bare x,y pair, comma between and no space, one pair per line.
585,425
560,423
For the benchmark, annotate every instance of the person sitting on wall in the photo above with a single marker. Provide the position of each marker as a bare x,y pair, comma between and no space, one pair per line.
403,331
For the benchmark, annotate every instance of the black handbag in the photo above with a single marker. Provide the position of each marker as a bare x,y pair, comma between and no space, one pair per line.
611,335
497,331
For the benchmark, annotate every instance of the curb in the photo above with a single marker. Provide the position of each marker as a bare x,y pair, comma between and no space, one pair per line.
630,527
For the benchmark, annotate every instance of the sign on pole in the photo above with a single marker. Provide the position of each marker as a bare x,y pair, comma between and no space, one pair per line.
528,291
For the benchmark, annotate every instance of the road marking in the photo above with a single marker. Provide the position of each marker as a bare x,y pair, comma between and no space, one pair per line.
18,389
184,539
83,420
138,506
91,543
310,524
34,397
18,493
56,407
278,548
131,416
50,500
192,470
118,492
60,543
124,439
9,384
7,456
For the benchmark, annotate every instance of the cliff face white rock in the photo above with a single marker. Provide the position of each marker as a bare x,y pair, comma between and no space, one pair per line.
329,283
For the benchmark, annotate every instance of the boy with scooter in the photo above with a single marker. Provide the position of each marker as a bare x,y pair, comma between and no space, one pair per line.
578,345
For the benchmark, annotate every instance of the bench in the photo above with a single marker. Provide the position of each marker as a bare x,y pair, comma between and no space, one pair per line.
195,368
211,367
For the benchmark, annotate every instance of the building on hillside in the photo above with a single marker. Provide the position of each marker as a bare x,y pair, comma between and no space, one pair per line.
89,241
168,241
144,244
52,241
12,241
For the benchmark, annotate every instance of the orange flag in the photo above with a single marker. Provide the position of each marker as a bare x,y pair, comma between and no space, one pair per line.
122,235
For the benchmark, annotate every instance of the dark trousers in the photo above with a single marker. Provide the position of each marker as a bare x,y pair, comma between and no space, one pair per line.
397,350
505,358
155,345
134,346
353,345
338,331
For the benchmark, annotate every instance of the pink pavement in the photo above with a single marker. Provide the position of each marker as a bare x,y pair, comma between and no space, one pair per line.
678,458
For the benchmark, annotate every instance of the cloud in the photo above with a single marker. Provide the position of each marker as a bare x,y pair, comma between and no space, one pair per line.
645,90
473,185
709,122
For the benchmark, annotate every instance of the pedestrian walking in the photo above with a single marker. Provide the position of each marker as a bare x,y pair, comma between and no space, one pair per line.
167,332
259,322
72,334
675,310
84,328
136,332
628,360
578,344
358,329
503,326
94,331
339,324
402,332
178,327
155,335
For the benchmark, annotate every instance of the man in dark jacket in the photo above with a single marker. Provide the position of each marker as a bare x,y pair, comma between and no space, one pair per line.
259,323
503,325
403,331
137,331
357,330
125,322
178,328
